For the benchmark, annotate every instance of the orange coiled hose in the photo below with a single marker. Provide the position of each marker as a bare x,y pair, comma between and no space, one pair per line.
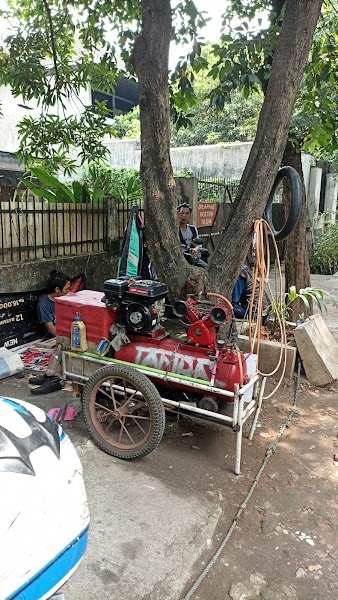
261,274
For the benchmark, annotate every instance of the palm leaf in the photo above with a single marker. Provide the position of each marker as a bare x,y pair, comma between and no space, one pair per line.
53,183
38,191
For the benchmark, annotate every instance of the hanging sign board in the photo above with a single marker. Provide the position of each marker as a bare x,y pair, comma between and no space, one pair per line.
206,214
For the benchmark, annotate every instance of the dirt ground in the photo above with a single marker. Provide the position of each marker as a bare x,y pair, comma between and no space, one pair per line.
269,534
284,543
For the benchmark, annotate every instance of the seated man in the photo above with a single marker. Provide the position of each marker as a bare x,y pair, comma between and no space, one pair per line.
187,234
241,295
58,285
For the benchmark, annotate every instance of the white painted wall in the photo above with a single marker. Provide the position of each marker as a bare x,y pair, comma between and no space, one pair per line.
219,160
12,113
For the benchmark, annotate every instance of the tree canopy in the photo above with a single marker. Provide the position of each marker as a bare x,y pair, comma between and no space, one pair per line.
57,47
53,49
243,61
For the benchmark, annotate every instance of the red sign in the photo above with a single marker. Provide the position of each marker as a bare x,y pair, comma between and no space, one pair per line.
206,213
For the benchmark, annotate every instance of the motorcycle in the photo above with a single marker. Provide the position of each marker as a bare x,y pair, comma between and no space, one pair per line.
203,253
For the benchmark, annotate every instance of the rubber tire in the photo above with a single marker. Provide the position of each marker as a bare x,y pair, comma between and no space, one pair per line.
296,203
156,409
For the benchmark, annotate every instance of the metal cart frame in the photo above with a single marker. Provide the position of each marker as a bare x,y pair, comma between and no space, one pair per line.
78,368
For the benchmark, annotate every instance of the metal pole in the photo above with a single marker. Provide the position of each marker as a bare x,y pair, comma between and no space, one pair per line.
235,410
239,432
258,409
252,381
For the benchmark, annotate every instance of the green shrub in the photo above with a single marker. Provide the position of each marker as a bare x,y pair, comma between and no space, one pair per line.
124,184
324,256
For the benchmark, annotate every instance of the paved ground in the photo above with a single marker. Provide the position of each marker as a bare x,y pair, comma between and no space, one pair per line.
157,522
330,284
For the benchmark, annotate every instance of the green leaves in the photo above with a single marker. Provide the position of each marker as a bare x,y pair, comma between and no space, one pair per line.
123,184
51,60
51,54
235,121
307,296
38,191
54,190
324,256
309,293
48,139
243,58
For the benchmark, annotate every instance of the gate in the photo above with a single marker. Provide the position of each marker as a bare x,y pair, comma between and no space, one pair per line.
222,192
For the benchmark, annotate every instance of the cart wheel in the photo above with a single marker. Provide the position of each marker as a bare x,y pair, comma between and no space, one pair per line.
123,412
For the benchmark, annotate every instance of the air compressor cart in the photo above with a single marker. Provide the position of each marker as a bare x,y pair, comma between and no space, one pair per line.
125,397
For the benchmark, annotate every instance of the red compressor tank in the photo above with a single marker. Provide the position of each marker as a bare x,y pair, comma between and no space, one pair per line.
185,359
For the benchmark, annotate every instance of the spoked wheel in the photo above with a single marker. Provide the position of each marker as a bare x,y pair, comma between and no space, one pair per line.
123,412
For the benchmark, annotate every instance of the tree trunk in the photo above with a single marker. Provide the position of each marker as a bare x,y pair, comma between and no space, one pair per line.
151,62
150,58
297,268
288,66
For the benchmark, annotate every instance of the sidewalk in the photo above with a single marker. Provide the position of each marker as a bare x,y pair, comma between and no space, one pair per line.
157,522
329,284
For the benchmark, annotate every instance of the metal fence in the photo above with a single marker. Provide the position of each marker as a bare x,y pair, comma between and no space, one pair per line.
217,190
31,229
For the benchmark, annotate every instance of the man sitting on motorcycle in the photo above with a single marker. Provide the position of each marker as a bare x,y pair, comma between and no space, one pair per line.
188,233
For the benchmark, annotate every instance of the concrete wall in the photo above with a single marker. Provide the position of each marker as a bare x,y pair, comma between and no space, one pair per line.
28,276
9,162
308,162
228,161
124,153
219,160
331,195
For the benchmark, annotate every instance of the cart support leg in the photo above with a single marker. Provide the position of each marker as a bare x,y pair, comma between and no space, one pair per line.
260,392
239,436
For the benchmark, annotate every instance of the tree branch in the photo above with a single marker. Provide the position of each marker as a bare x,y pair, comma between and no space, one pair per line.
299,22
52,39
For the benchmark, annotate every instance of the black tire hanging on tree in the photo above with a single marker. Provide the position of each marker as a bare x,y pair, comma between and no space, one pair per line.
296,203
123,412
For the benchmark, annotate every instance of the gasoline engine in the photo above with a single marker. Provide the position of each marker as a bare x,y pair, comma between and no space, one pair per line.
139,306
140,303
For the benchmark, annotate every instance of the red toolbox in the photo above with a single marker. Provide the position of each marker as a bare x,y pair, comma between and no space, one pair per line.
94,313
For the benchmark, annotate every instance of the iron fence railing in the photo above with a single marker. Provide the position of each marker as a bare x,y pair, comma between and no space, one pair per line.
33,229
217,190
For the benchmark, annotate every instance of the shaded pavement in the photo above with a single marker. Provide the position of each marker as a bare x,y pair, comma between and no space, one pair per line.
157,522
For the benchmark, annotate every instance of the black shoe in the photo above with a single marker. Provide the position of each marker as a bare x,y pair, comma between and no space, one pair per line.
38,379
50,385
